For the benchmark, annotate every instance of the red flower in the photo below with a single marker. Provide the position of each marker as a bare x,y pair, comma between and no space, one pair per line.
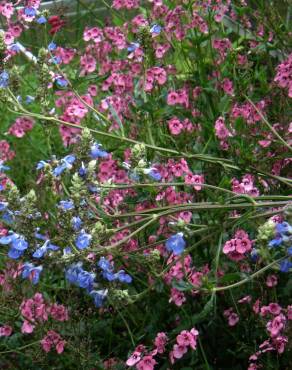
56,22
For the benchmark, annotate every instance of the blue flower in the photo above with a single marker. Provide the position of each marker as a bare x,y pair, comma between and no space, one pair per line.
30,11
98,296
97,152
76,275
19,244
104,264
14,253
72,272
133,46
285,265
52,46
40,252
275,242
41,165
55,60
4,79
66,205
123,277
85,280
42,20
284,228
83,240
76,223
67,251
156,28
82,170
153,172
108,275
29,99
61,81
14,47
289,251
31,271
3,206
254,255
3,168
176,244
65,163
8,217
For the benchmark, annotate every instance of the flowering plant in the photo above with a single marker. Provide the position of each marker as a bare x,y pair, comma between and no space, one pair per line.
145,187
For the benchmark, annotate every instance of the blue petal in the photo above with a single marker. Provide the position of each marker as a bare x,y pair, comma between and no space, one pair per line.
14,253
70,158
176,244
285,265
83,240
19,244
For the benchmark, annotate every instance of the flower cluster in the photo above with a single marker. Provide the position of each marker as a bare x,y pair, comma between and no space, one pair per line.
237,248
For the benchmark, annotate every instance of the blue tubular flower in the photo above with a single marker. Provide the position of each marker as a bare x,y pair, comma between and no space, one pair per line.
83,240
3,206
176,244
61,81
7,239
65,163
40,252
42,20
153,173
156,28
289,251
14,253
66,205
19,244
32,272
82,170
285,265
109,276
4,79
52,46
133,46
97,152
85,280
76,223
98,296
30,11
29,99
123,277
105,264
72,272
41,165
76,275
284,228
275,242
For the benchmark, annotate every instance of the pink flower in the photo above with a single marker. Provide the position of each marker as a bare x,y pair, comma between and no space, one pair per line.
160,342
227,86
221,130
7,9
147,363
27,327
59,312
179,350
233,319
276,325
134,358
177,297
5,331
53,339
175,126
271,281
